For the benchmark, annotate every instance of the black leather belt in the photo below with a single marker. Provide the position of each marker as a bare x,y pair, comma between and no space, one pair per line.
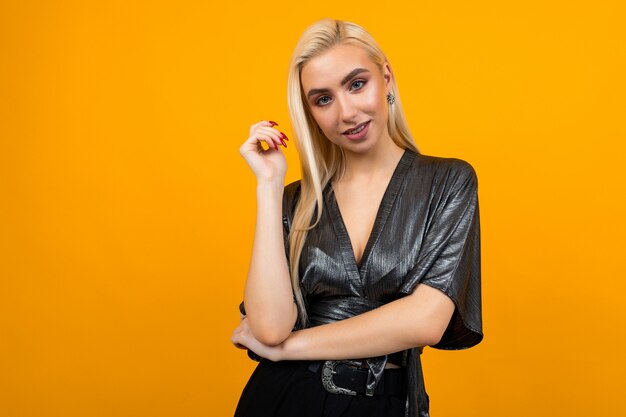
345,377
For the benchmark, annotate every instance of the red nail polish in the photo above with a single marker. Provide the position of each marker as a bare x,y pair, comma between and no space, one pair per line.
273,123
283,142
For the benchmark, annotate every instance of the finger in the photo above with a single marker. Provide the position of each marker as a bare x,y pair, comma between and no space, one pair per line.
275,134
262,123
237,341
263,136
254,143
271,122
257,124
270,134
272,131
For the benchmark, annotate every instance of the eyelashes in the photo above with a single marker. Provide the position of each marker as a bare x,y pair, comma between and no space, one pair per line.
318,101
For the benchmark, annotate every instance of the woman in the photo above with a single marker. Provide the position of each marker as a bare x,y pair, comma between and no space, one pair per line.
388,264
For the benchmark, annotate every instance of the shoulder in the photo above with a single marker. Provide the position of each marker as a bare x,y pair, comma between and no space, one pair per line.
291,192
292,186
449,169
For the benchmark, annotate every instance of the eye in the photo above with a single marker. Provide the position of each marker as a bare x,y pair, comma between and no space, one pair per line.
319,99
319,102
359,81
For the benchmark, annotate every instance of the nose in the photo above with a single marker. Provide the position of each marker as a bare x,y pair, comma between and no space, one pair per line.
347,109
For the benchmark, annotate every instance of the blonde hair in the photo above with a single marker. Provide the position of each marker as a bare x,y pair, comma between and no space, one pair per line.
321,160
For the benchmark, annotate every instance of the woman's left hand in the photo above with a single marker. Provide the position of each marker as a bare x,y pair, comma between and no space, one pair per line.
244,339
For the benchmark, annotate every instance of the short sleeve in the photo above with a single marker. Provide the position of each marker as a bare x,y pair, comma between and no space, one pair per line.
449,258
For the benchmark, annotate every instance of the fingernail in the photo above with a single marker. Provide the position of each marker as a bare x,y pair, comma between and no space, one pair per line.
273,123
283,142
276,146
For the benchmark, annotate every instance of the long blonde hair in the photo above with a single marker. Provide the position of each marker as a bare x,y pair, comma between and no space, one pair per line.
321,160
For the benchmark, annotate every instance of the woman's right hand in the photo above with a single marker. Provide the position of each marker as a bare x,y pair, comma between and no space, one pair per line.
267,165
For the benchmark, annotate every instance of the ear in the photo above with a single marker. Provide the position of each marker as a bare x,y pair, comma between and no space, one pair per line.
387,74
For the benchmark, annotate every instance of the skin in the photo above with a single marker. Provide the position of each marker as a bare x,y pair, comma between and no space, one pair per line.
418,319
268,294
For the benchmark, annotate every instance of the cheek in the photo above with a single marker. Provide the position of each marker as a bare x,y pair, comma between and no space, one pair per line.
374,98
323,119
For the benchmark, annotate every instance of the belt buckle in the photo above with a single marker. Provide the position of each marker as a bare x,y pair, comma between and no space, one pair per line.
328,370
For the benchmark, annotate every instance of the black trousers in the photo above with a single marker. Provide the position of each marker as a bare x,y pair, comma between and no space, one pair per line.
288,389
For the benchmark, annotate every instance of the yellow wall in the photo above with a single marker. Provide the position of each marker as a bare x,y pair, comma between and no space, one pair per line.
127,213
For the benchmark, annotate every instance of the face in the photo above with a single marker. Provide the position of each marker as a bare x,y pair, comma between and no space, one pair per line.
344,89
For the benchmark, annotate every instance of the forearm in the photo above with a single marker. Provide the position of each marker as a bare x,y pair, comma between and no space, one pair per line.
268,295
396,326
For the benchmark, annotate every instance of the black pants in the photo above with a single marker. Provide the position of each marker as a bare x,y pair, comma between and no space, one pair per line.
288,389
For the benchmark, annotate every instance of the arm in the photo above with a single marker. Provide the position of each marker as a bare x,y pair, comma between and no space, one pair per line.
419,319
268,295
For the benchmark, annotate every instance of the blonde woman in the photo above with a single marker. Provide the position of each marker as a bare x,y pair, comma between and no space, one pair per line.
372,255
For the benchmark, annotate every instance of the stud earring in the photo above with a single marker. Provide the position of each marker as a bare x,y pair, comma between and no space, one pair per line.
390,98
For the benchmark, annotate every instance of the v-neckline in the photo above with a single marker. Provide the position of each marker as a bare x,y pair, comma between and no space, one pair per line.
389,196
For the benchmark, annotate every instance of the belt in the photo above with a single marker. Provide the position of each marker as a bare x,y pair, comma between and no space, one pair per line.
345,377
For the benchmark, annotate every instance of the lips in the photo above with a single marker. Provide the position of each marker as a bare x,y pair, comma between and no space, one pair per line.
347,132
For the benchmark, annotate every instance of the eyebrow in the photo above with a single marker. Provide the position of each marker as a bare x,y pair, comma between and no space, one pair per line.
343,81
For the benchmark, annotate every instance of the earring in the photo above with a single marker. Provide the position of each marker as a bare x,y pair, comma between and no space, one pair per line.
390,98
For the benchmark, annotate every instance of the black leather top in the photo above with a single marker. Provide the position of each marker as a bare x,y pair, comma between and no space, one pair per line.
427,230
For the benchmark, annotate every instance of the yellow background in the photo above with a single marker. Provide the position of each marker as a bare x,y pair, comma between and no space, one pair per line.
127,213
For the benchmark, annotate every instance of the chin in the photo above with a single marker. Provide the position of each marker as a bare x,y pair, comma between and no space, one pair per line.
361,147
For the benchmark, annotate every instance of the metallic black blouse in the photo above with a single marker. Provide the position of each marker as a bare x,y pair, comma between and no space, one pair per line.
427,230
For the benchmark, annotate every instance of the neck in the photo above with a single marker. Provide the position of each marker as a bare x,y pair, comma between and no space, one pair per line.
366,166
